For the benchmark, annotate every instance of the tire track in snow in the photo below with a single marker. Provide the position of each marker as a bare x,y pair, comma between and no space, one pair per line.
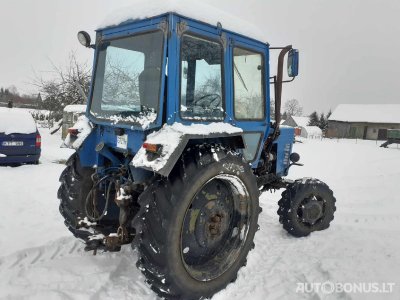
63,270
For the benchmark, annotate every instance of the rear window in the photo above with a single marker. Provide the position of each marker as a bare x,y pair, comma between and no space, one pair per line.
15,120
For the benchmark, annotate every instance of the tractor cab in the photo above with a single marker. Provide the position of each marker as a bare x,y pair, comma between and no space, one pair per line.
173,69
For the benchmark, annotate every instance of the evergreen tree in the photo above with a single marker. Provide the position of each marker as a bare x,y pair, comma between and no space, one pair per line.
314,119
323,124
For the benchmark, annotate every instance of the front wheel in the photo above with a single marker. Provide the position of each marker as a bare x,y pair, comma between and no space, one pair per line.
307,205
197,227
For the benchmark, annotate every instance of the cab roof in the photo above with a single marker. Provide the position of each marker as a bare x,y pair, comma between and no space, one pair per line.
203,12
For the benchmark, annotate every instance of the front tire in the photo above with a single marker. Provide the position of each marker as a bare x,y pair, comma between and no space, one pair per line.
195,229
307,205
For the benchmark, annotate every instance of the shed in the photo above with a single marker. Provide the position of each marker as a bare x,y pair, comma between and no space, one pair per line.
70,116
313,132
302,123
364,121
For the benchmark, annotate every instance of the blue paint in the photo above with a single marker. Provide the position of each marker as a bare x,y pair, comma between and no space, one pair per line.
284,149
17,154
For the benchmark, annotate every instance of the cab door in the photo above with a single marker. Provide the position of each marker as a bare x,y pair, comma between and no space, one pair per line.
249,90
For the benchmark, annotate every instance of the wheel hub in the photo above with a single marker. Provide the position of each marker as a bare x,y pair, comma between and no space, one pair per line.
312,211
213,223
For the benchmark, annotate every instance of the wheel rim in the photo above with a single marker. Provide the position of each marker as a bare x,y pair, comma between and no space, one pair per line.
215,227
311,210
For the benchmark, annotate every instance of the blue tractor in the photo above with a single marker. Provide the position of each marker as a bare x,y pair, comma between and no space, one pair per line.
175,149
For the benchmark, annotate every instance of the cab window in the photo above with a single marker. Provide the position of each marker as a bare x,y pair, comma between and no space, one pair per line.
249,100
201,79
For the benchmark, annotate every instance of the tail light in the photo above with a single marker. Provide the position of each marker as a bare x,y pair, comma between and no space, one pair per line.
153,148
73,131
38,143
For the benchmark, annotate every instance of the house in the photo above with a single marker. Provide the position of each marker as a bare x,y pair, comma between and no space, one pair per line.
23,101
294,121
363,121
302,123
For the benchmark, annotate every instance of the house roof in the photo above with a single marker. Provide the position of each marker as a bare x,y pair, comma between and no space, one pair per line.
301,121
78,108
368,113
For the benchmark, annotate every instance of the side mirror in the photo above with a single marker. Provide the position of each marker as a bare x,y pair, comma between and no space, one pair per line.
84,38
293,63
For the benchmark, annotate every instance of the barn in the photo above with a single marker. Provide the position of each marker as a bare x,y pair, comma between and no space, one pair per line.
363,121
302,123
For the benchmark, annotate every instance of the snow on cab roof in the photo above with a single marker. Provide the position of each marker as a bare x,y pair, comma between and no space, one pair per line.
14,120
368,113
197,10
78,108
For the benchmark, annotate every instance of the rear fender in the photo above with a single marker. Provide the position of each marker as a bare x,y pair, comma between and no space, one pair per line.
164,163
87,154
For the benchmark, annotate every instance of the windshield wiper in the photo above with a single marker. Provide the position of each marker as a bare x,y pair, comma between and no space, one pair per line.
240,76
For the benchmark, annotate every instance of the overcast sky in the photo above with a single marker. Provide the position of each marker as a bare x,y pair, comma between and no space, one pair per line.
348,48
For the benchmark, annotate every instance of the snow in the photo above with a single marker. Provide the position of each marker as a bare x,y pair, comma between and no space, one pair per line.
169,137
84,128
75,108
40,259
16,121
189,8
311,132
240,188
144,119
371,113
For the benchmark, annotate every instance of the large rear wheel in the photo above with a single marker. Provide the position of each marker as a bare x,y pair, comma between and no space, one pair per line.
196,228
76,183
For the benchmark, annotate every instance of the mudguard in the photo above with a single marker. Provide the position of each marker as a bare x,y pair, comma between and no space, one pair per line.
173,140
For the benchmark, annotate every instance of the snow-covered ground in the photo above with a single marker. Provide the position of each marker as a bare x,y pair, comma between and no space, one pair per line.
40,260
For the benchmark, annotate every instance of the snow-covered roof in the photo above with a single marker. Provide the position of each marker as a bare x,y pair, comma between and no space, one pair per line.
301,121
78,108
369,113
14,120
198,10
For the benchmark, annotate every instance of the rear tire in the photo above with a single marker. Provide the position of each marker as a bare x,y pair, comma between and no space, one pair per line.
182,255
306,205
76,183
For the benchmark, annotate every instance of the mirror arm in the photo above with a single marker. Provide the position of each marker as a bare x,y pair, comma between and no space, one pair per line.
284,81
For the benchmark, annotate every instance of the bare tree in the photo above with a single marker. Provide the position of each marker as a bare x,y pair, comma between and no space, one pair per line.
63,86
293,108
121,83
212,85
